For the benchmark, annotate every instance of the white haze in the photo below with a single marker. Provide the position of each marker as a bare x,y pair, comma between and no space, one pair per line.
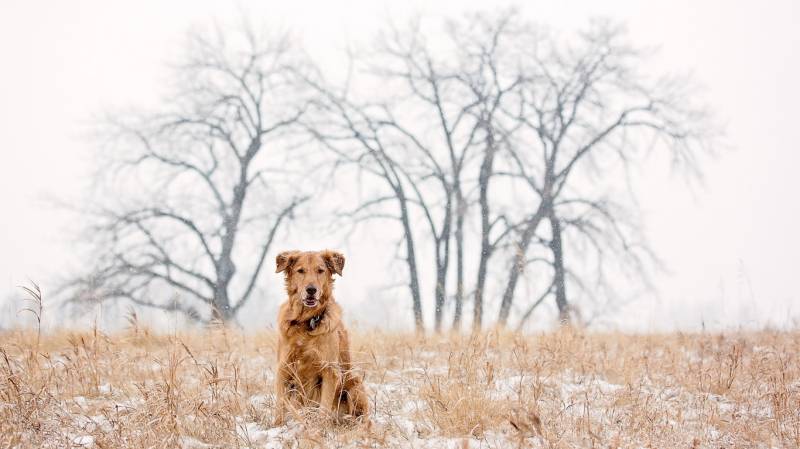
730,244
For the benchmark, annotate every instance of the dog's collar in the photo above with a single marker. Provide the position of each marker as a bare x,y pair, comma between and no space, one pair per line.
314,321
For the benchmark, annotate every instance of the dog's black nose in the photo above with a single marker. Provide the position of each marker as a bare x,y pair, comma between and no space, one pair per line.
311,290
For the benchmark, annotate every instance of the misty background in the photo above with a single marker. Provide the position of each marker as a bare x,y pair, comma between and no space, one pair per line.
728,243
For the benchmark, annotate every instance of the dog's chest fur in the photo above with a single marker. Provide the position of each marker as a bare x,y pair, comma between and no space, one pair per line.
307,344
303,352
305,359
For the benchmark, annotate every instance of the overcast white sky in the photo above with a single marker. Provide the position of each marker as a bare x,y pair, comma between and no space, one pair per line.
731,245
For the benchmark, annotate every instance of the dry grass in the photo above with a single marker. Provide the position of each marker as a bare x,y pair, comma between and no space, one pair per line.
565,389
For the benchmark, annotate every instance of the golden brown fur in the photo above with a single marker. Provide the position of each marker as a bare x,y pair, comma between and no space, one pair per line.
314,367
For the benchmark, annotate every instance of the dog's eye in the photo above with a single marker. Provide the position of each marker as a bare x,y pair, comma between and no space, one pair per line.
320,270
301,270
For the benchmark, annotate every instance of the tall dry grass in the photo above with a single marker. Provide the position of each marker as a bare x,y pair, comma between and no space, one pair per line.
213,388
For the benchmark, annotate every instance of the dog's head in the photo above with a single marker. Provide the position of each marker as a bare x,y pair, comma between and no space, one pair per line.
309,275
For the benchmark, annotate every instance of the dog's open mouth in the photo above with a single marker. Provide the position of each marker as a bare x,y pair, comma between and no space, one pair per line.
310,302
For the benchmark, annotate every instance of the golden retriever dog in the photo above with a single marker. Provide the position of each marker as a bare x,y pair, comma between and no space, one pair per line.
314,366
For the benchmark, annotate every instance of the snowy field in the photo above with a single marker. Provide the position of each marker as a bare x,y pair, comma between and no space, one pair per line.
498,390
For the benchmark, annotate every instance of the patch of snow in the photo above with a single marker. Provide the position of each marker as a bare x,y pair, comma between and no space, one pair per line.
252,432
271,438
256,362
444,443
258,400
404,425
413,406
103,422
508,388
93,423
488,440
83,441
193,443
130,404
606,387
429,354
587,384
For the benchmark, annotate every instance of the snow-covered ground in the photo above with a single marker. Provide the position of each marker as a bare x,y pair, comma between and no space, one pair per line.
494,391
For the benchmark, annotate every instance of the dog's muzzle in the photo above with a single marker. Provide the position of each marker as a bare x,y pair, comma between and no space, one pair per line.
311,296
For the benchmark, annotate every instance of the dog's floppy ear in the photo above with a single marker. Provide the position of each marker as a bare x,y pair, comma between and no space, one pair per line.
334,260
285,260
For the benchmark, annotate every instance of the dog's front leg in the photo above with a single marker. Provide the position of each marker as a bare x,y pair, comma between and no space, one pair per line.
331,384
281,394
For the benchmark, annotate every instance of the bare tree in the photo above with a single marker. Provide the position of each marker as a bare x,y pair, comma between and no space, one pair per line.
200,180
582,105
431,124
433,86
441,112
492,83
499,105
354,134
453,128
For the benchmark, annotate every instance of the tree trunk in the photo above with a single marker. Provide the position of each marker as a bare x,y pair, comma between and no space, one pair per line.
443,262
225,268
441,278
520,259
558,264
440,294
459,299
486,247
411,261
221,309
